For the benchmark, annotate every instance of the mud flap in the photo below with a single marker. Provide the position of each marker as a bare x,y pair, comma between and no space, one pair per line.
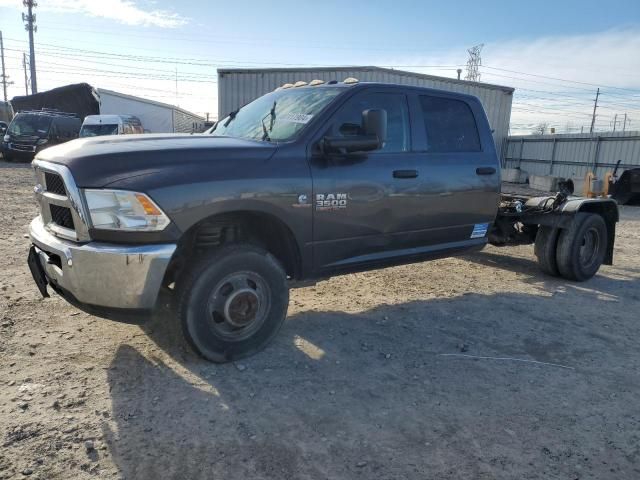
37,272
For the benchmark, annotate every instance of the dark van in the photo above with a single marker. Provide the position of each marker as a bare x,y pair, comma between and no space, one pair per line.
32,131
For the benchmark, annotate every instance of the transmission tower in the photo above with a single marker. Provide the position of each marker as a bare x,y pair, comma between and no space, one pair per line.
473,74
30,19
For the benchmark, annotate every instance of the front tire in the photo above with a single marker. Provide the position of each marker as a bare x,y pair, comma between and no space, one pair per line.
582,247
233,302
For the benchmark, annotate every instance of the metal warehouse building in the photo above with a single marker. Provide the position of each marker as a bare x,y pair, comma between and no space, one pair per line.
156,117
237,87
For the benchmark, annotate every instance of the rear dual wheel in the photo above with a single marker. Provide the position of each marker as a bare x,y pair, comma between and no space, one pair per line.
575,253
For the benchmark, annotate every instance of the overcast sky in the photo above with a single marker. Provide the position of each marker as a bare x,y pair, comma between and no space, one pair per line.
554,53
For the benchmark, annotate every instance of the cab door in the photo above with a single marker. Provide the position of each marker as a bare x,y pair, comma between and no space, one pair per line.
362,203
459,170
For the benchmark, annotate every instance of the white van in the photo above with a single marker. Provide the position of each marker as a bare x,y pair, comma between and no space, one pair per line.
98,125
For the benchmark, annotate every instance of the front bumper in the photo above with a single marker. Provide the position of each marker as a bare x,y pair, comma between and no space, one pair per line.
102,274
9,150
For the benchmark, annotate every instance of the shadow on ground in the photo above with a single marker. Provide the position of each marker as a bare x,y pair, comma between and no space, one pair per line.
625,280
368,395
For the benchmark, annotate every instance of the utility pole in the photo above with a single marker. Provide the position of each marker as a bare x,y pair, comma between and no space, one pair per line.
624,124
593,117
473,63
176,85
615,121
4,73
26,78
30,27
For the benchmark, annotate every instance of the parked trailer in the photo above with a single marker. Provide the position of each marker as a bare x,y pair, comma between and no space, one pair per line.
83,100
156,117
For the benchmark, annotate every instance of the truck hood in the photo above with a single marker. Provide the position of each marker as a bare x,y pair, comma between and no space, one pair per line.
100,161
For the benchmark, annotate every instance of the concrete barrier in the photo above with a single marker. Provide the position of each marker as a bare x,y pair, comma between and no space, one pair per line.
578,185
546,183
514,175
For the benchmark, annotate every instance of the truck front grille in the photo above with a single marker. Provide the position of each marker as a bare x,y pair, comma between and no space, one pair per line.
54,183
22,147
61,205
62,216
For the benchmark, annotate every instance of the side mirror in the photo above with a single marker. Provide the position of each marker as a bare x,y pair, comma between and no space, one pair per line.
373,136
374,122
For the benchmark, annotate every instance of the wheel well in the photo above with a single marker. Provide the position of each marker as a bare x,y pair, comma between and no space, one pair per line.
609,212
258,228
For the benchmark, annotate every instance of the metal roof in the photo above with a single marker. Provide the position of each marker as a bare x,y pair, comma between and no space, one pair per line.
223,71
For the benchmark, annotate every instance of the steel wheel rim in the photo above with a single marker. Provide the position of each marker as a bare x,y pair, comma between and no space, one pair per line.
590,247
238,305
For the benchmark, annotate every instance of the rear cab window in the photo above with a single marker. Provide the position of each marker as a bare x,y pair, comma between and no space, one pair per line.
449,124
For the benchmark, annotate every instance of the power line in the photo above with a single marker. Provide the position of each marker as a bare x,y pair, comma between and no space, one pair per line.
561,79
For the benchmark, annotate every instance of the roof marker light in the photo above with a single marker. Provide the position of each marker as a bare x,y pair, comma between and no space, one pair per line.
300,83
286,85
350,80
315,82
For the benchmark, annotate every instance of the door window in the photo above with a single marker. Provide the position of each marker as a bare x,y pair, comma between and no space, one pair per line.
450,125
348,120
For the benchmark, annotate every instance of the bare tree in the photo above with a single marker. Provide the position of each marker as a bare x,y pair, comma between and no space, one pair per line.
540,129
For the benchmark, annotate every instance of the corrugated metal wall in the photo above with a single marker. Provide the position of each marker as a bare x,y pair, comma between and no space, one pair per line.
237,87
572,155
184,122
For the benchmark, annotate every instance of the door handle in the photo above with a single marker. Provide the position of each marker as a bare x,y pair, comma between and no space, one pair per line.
485,171
405,173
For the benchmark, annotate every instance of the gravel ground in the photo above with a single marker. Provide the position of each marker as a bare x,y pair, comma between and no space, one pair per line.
366,380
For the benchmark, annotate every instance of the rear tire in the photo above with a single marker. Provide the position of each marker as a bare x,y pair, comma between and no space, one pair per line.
545,250
232,303
582,247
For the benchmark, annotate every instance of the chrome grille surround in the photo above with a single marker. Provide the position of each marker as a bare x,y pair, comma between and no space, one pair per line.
72,200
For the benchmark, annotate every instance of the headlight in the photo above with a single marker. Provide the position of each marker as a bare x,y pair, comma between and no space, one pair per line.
6,138
122,210
42,141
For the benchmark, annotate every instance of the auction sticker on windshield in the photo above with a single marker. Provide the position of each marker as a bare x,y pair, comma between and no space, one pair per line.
295,117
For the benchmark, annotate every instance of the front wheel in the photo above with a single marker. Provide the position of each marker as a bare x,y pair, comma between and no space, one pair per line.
233,302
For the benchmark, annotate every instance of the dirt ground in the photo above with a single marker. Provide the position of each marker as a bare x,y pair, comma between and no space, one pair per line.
359,383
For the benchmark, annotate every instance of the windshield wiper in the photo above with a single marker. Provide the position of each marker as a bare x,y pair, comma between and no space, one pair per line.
265,133
272,114
232,115
272,119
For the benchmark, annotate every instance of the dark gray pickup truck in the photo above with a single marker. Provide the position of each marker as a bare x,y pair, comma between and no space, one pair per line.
306,182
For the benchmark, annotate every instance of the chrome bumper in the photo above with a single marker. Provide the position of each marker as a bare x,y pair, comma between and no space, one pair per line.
103,274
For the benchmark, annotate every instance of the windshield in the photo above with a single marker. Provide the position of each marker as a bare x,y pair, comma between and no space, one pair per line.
276,116
31,125
98,130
